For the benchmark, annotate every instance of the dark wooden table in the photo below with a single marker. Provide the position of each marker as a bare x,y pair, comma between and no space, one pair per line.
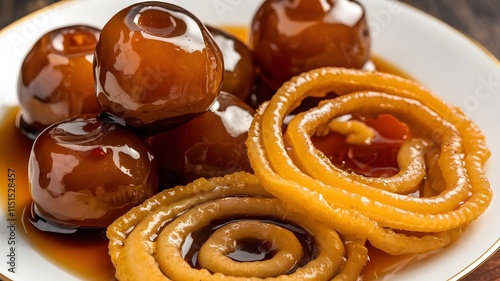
478,19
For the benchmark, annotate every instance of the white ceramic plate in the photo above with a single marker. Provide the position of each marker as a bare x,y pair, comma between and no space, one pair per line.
444,60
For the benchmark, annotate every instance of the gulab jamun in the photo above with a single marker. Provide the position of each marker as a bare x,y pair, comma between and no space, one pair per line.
156,65
87,171
289,37
211,144
56,80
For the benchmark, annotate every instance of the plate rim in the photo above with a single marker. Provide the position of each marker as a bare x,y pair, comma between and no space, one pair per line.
494,248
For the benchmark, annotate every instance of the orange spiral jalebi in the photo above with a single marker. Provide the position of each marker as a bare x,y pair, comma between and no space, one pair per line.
445,144
150,241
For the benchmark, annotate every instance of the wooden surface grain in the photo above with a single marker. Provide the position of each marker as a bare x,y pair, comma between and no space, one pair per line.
478,19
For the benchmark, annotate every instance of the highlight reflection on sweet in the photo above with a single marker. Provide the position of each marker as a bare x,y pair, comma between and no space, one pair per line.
195,232
239,69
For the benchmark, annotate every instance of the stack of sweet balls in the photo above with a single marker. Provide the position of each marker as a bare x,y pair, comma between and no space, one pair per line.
156,99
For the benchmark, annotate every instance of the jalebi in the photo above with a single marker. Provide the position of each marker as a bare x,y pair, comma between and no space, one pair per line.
447,152
152,240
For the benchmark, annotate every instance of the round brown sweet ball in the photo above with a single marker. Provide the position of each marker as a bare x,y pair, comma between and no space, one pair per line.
211,144
239,70
56,80
87,171
156,65
289,37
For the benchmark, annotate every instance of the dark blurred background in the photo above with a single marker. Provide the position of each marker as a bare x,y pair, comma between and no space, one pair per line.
479,19
10,10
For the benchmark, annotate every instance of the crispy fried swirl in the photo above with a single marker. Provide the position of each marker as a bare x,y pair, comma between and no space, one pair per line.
151,240
443,161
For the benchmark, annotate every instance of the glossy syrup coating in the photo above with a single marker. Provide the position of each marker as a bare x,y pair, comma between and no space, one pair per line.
377,159
88,171
289,37
211,144
239,70
156,65
56,79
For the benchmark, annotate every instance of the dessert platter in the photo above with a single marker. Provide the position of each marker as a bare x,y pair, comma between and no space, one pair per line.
245,140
